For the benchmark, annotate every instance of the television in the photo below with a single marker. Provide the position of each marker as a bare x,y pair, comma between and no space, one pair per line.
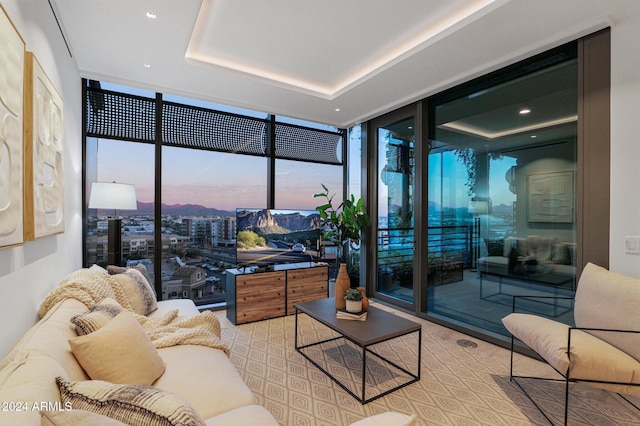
267,237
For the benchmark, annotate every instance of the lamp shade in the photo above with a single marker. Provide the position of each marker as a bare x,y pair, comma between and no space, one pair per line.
111,195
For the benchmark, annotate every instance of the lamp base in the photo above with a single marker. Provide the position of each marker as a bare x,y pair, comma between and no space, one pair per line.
114,242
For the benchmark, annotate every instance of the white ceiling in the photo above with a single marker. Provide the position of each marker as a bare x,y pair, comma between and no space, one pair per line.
338,62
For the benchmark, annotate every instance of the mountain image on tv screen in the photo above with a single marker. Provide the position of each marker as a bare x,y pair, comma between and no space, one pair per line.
270,236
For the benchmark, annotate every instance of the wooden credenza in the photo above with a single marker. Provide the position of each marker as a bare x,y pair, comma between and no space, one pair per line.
254,296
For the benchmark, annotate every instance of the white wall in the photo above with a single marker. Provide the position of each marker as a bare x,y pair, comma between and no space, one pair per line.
625,144
30,271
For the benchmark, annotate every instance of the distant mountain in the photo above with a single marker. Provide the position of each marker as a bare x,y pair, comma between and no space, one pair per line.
264,222
177,210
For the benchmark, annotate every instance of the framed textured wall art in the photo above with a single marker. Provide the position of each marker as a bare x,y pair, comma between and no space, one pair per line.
12,49
550,197
44,177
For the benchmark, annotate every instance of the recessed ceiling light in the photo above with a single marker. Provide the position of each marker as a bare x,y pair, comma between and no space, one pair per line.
525,111
533,136
147,65
337,109
151,15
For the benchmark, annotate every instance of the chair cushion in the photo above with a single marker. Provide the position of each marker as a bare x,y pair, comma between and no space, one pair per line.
609,300
591,358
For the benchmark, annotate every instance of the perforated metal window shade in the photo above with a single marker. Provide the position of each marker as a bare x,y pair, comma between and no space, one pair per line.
120,116
129,117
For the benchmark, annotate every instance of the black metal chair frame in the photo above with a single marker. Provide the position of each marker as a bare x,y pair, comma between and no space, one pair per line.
566,377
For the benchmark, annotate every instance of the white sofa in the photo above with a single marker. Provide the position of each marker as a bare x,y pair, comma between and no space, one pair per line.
551,254
46,379
203,376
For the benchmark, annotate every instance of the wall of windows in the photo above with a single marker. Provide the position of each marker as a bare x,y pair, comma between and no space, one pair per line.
193,164
491,188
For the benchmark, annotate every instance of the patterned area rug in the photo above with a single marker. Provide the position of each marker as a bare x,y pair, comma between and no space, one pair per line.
464,381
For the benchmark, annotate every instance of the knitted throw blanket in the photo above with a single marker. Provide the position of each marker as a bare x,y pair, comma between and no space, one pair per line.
91,286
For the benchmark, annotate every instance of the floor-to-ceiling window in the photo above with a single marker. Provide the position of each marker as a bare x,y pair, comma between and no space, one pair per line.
200,163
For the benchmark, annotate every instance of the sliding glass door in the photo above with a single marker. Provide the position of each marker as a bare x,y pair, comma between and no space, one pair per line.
394,221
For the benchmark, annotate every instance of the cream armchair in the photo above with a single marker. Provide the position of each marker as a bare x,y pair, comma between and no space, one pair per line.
602,350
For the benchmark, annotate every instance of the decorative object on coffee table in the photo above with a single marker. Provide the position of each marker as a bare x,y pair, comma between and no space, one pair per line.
365,299
343,283
353,300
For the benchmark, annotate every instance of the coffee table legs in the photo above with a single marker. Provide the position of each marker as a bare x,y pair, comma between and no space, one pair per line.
414,377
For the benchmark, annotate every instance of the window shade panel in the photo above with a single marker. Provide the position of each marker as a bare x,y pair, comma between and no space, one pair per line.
306,144
193,127
120,116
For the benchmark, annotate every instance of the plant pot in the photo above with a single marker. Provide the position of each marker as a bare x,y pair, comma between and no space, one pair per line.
354,306
342,285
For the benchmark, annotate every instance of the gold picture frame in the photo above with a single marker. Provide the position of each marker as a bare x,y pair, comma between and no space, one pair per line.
12,52
44,174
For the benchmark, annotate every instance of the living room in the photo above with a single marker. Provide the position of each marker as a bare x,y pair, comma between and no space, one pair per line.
32,269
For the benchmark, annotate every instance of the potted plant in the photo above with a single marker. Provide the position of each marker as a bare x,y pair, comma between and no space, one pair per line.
344,222
343,225
353,299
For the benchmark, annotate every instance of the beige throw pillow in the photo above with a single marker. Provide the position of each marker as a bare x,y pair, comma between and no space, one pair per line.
133,404
119,352
113,270
138,291
96,317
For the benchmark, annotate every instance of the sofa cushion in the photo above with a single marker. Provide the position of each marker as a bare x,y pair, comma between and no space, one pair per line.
591,358
119,352
28,379
113,269
561,254
133,404
222,383
609,300
138,291
96,317
520,244
75,418
494,247
540,248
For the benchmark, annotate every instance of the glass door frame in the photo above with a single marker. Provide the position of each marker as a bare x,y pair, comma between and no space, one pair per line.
417,111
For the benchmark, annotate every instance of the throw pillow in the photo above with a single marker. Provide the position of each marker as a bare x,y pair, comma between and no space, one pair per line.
138,291
119,352
96,317
76,417
561,254
133,404
113,270
494,247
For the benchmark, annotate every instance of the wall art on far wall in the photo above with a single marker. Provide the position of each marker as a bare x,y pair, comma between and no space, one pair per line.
44,177
550,197
11,149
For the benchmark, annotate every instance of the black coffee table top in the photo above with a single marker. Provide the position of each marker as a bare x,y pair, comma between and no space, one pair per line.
379,326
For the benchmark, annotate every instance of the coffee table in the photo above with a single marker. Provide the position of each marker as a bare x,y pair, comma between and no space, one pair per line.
380,326
549,279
